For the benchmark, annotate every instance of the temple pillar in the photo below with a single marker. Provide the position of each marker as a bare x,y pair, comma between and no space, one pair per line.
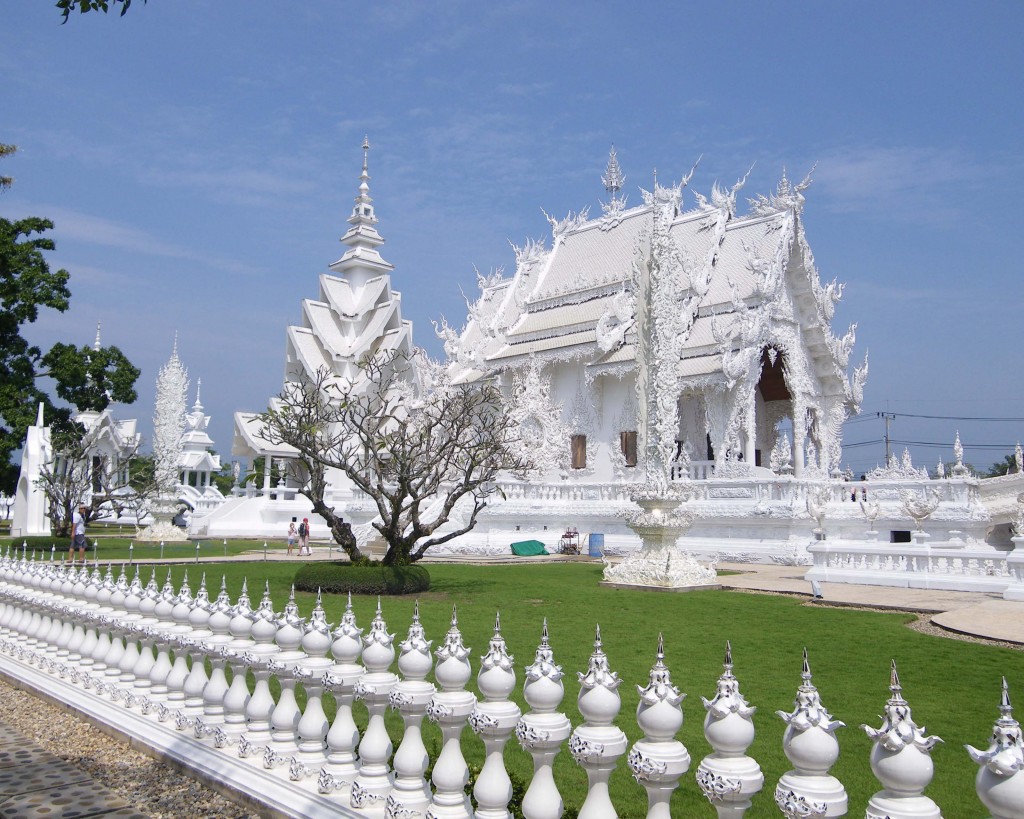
267,467
750,428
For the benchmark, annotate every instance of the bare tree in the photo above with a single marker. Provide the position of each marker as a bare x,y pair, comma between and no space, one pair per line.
77,475
417,448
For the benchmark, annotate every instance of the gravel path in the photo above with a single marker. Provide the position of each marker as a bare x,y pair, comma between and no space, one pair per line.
152,787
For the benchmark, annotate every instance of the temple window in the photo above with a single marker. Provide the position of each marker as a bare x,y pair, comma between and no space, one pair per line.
578,446
627,445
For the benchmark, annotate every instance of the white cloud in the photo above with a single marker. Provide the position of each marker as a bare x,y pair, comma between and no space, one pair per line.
922,183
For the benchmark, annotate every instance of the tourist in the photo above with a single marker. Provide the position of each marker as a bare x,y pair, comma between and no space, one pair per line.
304,538
292,532
77,534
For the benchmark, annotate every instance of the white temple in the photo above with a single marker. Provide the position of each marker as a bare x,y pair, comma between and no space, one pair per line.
355,313
678,331
199,463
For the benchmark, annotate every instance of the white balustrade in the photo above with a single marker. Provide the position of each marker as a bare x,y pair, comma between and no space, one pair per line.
372,785
312,729
70,630
493,720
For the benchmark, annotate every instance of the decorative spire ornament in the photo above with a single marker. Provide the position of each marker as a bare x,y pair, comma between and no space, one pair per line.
493,720
810,744
597,744
900,759
613,180
999,783
542,730
659,759
728,777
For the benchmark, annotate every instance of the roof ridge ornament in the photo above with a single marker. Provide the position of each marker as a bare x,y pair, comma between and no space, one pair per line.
613,179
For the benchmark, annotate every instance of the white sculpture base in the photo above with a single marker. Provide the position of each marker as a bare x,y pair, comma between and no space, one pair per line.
661,567
162,531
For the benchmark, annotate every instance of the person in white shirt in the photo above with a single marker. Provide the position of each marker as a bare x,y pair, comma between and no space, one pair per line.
77,533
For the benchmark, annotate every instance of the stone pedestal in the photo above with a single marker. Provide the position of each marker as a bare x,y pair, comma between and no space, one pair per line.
659,563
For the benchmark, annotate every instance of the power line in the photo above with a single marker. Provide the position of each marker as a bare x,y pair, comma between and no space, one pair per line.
947,445
953,417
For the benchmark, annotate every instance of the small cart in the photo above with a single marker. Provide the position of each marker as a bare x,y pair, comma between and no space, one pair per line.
570,542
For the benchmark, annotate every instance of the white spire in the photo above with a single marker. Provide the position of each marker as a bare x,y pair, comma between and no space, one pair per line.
96,343
362,261
198,405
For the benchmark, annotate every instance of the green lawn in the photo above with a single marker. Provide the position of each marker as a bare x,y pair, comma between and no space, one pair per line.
110,546
952,686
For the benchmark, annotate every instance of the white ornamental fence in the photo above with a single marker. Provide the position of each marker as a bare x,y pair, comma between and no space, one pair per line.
119,651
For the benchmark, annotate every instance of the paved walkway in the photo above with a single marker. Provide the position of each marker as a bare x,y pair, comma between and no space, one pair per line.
979,614
34,783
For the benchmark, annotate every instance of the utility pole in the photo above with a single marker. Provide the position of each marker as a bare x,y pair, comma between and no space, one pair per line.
888,416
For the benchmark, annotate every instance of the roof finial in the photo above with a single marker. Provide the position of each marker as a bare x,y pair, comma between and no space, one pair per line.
198,405
613,178
174,350
96,345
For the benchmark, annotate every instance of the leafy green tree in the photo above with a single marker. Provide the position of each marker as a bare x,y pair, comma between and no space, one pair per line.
6,150
85,6
87,378
1003,467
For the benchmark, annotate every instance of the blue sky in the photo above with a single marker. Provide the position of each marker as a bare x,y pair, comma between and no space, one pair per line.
199,161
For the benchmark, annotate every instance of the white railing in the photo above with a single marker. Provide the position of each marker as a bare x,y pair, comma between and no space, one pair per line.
911,565
105,647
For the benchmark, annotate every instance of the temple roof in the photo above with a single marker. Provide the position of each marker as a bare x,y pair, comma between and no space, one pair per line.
576,300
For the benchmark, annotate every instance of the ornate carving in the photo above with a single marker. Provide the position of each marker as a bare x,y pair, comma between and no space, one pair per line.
437,711
643,767
396,810
479,721
795,806
529,736
716,788
543,438
362,798
296,770
583,750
